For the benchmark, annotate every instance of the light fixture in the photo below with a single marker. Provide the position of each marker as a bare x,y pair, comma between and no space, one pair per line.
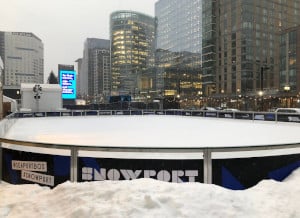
286,88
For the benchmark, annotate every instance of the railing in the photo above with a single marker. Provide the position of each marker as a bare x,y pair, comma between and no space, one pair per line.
244,115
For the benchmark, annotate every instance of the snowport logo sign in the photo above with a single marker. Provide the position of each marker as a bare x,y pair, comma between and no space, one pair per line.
91,174
169,170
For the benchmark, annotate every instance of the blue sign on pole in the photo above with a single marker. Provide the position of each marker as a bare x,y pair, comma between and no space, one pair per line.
68,83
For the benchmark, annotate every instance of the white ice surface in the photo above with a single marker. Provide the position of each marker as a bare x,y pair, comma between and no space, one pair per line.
153,131
151,198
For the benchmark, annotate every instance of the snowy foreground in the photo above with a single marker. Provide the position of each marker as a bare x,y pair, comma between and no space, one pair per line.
152,198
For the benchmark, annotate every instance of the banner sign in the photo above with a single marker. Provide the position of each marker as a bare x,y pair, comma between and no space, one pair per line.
20,167
37,178
29,165
177,171
243,173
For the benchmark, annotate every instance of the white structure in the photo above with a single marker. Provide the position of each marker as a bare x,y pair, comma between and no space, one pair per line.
23,57
41,97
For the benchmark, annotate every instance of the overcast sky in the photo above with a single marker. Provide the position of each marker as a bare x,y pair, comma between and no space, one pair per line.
63,25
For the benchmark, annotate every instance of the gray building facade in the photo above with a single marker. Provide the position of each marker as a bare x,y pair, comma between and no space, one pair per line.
23,57
94,76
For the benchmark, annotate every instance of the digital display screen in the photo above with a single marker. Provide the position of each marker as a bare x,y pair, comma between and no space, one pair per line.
68,83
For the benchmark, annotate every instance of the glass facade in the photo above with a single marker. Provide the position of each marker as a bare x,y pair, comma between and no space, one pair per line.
178,50
132,52
247,45
179,25
289,76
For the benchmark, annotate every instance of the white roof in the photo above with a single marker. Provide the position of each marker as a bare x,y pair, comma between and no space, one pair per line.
29,86
153,131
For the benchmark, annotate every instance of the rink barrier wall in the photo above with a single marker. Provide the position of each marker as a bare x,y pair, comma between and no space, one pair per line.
245,115
288,161
231,167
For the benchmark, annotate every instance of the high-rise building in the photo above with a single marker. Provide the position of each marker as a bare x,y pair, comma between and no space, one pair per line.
78,70
289,68
23,57
94,77
241,45
209,46
132,52
102,78
178,49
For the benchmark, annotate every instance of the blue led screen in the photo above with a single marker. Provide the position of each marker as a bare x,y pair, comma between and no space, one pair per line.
68,83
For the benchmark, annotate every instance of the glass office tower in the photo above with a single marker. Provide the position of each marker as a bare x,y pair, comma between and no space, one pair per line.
178,50
132,52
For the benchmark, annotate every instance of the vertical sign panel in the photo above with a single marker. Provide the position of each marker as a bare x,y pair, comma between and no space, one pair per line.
68,83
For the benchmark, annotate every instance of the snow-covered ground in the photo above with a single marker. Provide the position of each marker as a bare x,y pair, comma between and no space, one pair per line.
152,198
147,197
153,131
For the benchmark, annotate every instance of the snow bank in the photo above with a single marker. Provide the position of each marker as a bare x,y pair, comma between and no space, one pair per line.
151,198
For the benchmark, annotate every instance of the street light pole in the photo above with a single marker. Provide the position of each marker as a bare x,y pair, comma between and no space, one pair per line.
261,92
286,89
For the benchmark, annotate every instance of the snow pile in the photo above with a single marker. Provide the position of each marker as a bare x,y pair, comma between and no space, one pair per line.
151,198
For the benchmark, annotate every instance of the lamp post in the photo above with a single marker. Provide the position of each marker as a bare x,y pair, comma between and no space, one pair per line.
237,98
261,92
286,89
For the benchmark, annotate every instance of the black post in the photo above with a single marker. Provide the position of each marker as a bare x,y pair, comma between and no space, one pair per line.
262,87
262,84
261,78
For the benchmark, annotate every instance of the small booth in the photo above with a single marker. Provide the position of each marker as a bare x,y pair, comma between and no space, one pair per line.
41,97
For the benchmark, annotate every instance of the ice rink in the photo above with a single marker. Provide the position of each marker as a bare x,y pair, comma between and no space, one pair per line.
153,131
